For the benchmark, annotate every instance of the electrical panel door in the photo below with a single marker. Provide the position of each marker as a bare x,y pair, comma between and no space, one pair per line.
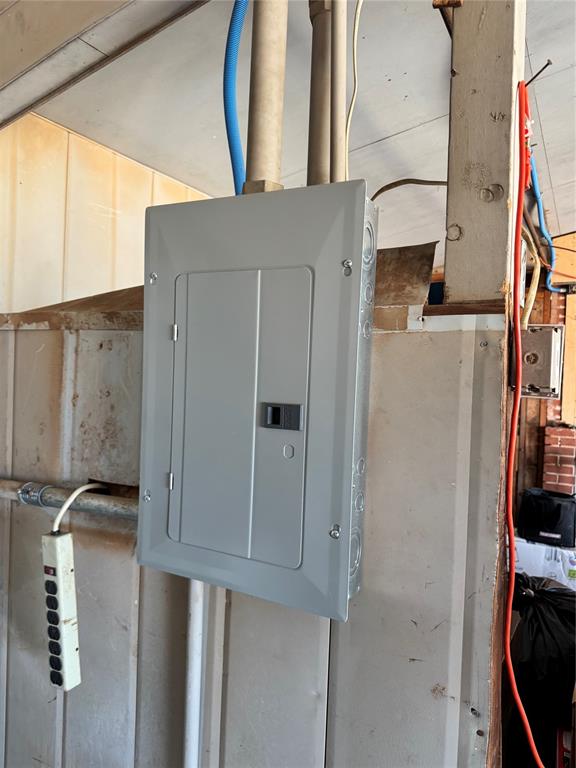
257,330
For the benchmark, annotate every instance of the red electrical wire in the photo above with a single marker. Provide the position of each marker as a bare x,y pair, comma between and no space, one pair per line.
524,150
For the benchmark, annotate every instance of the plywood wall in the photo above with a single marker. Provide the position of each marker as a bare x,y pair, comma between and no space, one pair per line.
565,259
71,215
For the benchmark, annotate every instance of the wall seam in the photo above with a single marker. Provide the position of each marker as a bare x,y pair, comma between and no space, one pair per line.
66,204
6,560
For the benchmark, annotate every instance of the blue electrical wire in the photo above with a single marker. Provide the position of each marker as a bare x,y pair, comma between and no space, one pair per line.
543,228
230,106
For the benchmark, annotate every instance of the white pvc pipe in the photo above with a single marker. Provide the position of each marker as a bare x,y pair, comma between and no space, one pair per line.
267,75
319,121
195,659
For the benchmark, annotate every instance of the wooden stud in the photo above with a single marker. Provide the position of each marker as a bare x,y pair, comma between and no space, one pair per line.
487,64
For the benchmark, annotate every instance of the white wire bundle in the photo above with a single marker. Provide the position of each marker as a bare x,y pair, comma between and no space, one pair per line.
357,13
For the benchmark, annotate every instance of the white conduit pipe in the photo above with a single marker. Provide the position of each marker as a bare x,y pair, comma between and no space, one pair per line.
338,92
319,120
266,110
195,657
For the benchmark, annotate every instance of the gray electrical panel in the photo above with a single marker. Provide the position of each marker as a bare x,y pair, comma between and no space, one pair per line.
258,317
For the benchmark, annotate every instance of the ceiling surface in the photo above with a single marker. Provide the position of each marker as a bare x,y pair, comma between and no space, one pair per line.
161,104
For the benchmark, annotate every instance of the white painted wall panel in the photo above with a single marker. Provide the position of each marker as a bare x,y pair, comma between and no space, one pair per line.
132,195
161,669
404,672
101,712
414,656
6,398
8,157
128,709
40,212
89,249
71,215
31,717
276,686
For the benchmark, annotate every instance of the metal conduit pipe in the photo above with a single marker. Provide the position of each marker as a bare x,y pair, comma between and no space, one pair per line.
266,111
338,92
51,497
319,120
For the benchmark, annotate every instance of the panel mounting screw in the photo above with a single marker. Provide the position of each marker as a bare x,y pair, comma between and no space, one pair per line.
347,267
454,232
335,531
152,277
147,495
483,343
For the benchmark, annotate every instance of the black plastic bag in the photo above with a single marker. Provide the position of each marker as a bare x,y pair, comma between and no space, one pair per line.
546,643
543,649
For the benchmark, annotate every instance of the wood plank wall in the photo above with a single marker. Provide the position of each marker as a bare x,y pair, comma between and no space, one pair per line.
565,259
71,215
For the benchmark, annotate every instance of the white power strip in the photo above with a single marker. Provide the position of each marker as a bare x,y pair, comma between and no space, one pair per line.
61,611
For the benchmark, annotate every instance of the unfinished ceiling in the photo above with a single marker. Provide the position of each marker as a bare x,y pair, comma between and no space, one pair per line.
161,104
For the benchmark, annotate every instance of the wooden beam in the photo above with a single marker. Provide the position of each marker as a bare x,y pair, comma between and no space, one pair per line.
403,275
487,64
447,3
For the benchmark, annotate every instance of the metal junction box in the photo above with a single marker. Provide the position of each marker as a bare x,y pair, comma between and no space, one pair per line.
257,324
542,354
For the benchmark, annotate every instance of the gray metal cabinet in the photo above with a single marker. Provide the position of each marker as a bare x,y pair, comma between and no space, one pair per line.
257,337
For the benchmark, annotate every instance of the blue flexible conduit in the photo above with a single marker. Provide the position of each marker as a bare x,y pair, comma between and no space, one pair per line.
543,228
230,107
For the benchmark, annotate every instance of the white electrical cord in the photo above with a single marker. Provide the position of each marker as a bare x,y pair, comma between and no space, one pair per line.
357,12
70,500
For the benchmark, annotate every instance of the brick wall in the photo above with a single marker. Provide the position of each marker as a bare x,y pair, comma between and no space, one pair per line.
559,459
558,308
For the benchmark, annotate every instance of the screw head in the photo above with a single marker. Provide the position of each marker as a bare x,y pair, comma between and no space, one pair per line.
152,277
531,358
347,267
147,496
335,531
483,343
454,232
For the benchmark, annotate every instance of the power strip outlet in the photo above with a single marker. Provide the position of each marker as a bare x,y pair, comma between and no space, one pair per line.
61,613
